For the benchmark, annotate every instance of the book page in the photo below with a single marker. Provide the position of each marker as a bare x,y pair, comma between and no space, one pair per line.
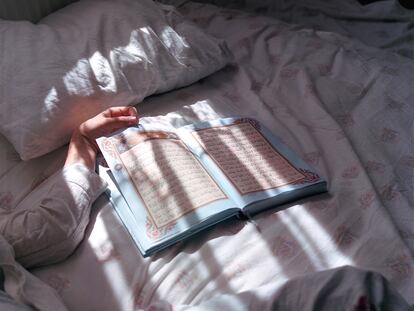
168,177
246,157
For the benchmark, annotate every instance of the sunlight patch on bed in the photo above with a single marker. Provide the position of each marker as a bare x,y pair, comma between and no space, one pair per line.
203,110
200,110
313,238
106,254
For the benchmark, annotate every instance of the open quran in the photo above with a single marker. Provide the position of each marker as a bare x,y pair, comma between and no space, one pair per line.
167,184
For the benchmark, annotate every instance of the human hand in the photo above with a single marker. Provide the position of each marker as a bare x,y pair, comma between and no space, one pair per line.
83,147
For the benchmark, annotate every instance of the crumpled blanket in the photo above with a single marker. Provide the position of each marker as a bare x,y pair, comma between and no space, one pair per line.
346,288
45,228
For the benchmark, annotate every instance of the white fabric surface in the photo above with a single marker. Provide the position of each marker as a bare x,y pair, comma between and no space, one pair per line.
344,107
384,24
89,56
73,190
24,287
45,228
7,303
345,288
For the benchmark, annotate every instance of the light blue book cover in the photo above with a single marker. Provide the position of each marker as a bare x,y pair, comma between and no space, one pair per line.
167,184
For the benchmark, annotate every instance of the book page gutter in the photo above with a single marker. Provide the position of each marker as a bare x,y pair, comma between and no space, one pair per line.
169,179
246,158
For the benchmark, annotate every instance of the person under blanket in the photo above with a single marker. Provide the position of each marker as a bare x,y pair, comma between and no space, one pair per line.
47,226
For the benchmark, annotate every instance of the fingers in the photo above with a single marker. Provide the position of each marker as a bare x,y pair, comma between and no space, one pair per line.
109,121
101,126
120,111
133,111
116,123
116,112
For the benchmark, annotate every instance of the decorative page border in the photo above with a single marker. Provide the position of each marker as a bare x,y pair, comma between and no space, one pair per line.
256,125
111,147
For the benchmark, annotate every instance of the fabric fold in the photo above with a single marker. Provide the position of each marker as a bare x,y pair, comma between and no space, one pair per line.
48,224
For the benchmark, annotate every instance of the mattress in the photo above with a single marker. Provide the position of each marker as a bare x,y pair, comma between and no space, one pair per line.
341,105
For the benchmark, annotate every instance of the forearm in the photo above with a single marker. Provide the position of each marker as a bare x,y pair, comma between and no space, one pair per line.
81,150
49,223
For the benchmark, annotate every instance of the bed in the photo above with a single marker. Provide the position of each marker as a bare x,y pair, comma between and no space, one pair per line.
338,96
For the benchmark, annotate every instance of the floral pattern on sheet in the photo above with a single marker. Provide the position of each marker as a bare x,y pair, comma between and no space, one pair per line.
312,158
6,200
344,236
107,252
366,199
58,282
285,247
323,15
349,120
401,265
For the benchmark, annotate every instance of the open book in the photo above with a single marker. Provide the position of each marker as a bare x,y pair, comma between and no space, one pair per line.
167,185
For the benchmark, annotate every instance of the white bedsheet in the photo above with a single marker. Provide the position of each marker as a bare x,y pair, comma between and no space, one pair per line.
384,24
344,107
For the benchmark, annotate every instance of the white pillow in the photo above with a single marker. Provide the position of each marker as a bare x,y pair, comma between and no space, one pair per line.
91,55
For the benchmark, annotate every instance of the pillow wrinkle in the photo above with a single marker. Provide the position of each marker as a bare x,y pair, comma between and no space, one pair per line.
89,56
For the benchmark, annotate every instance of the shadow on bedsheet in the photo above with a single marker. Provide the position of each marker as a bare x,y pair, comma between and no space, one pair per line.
114,260
203,263
108,260
141,276
116,263
84,272
208,263
214,269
